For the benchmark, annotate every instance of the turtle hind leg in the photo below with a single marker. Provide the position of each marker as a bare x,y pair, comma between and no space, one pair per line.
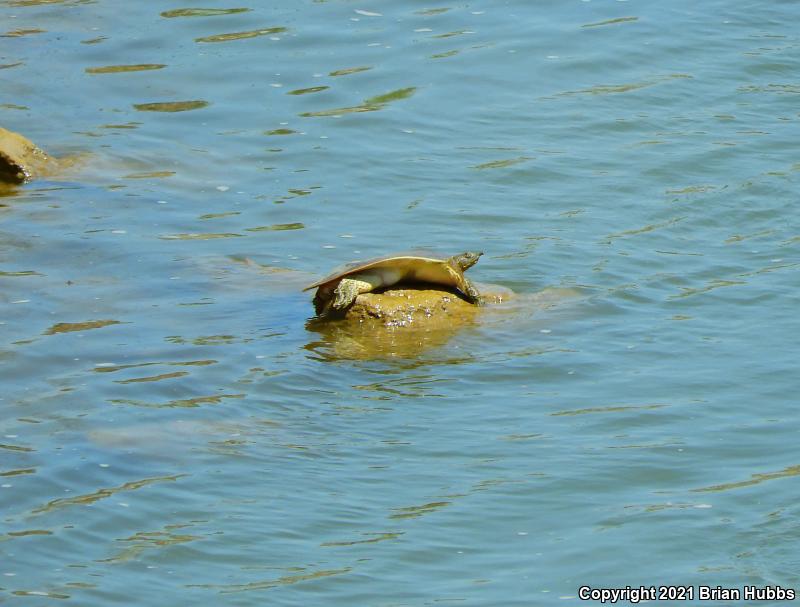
348,289
322,302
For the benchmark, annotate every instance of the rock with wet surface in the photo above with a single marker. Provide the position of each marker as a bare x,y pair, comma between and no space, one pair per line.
413,306
399,322
20,159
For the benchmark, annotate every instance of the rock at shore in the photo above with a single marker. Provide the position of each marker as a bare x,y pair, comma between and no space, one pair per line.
20,159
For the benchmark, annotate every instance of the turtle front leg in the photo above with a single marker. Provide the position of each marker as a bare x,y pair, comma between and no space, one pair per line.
349,288
473,295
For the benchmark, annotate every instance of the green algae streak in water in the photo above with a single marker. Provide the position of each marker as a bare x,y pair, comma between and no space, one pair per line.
116,69
68,327
171,106
203,12
313,89
241,35
350,70
611,21
277,227
372,104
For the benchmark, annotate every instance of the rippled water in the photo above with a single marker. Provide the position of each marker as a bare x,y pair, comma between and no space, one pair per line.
173,432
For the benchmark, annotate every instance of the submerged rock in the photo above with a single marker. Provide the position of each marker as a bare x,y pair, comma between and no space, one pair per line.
20,159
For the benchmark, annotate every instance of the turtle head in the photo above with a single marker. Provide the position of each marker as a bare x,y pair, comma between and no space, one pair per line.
466,260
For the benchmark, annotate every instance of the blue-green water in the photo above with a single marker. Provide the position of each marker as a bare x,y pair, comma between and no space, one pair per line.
172,433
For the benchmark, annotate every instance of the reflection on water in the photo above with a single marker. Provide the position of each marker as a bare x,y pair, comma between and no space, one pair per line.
177,428
171,106
372,104
116,69
271,583
100,494
343,341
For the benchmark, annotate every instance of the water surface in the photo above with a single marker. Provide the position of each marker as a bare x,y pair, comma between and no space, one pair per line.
173,432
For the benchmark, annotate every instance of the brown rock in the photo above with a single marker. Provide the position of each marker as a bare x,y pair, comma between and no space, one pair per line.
411,306
20,159
399,322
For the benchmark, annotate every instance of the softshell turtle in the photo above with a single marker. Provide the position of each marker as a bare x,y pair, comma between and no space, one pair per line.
341,288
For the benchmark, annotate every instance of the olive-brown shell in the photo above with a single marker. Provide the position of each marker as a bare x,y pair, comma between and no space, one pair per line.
410,261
